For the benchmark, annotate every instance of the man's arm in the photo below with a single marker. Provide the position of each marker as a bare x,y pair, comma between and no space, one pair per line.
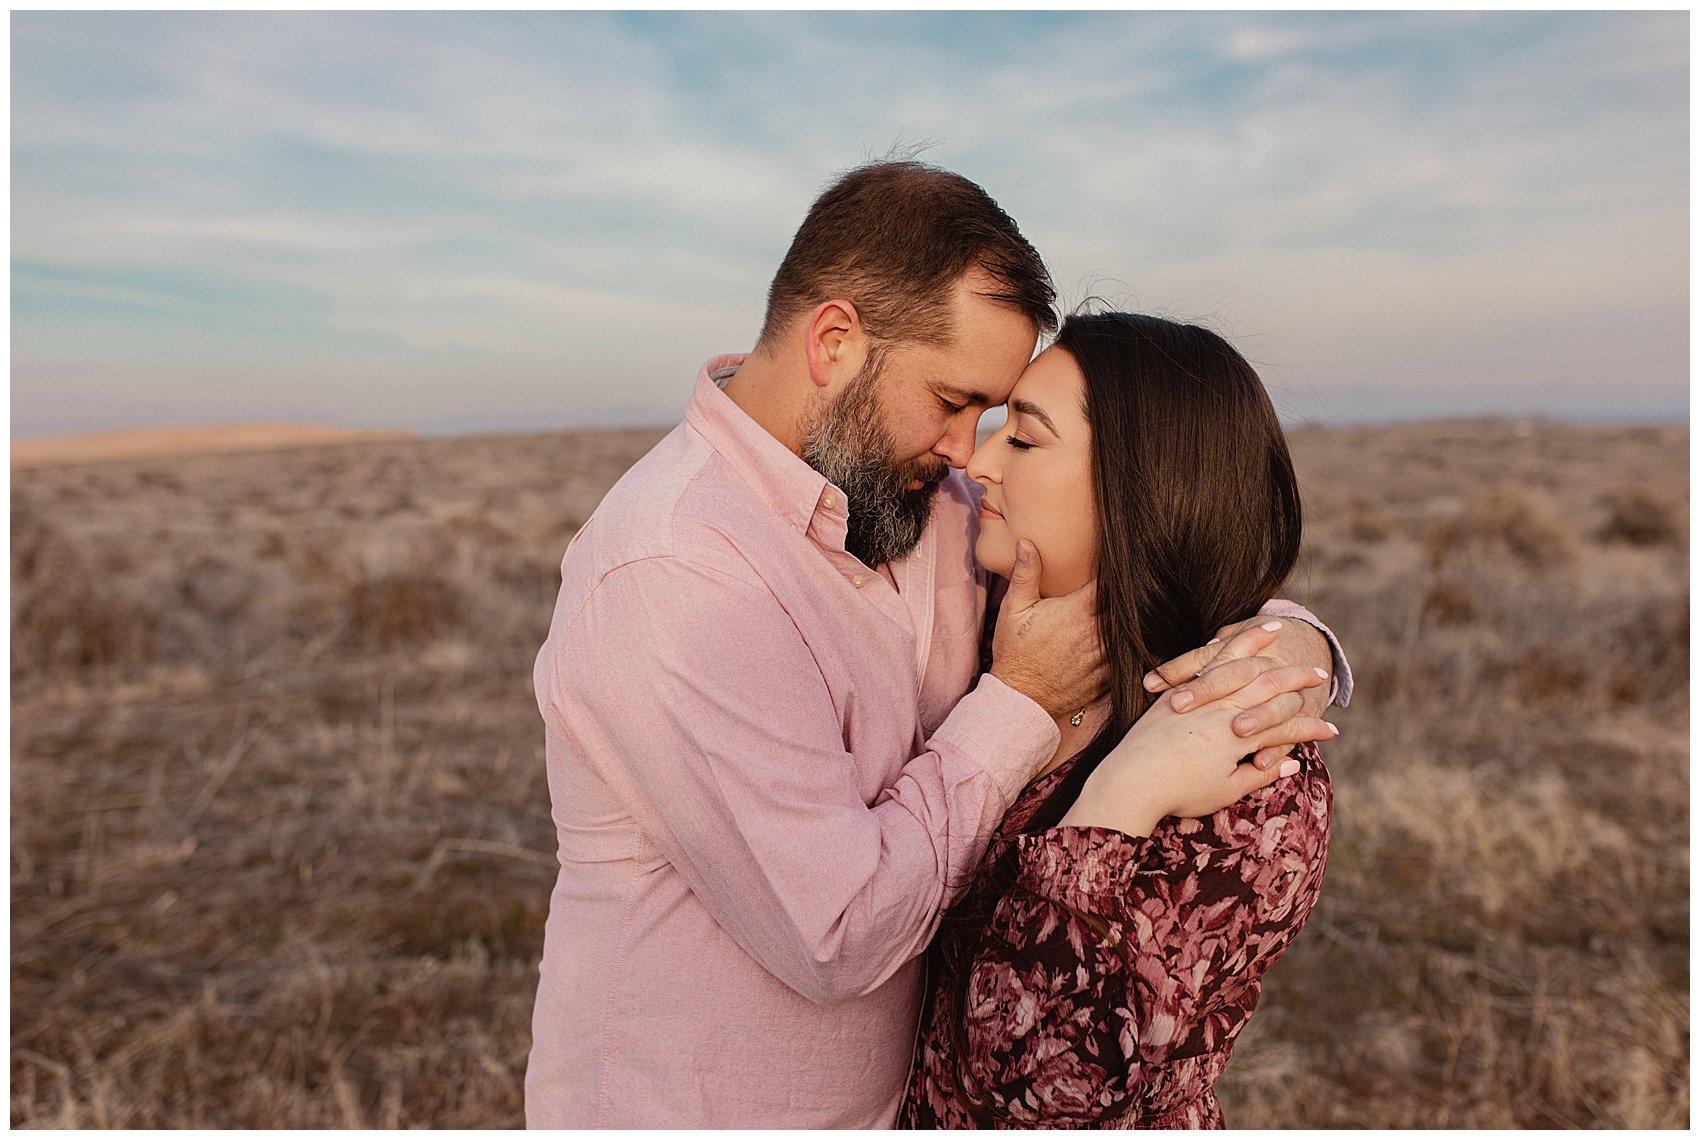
1307,641
693,695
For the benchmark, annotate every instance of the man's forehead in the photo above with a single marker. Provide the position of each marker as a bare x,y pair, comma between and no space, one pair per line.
996,390
983,387
981,364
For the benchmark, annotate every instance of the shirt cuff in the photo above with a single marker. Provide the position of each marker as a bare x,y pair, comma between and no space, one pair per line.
1340,692
1000,731
1091,869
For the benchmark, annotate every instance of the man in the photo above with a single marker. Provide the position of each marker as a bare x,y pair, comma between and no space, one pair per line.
772,755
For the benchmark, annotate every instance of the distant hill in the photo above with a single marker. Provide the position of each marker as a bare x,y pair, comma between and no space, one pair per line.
202,439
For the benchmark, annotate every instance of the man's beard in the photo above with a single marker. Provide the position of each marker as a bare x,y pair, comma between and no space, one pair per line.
849,444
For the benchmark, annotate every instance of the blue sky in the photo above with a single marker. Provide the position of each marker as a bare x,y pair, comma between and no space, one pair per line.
454,222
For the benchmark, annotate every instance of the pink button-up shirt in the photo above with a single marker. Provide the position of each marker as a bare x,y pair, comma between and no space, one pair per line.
766,782
767,785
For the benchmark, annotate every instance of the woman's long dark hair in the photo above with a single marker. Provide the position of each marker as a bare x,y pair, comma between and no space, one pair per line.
1198,525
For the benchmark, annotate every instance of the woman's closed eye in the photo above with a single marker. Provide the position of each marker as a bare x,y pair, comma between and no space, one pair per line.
1018,443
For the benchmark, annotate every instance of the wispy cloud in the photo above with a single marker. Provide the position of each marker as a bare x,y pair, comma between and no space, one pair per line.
452,220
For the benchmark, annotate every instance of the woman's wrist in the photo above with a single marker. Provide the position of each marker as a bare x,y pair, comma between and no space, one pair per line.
1106,801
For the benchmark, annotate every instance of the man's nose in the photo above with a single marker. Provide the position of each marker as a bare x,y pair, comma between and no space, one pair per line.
957,444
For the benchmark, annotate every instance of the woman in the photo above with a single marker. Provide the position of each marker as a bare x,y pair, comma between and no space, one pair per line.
1099,967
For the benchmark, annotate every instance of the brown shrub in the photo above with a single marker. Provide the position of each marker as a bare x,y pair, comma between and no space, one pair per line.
1523,522
66,614
1441,541
79,626
394,610
1365,522
1640,517
1450,602
1546,676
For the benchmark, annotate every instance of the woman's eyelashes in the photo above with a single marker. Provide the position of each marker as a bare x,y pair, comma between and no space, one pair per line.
1018,443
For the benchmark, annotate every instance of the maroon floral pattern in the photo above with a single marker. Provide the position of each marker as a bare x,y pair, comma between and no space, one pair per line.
1128,1025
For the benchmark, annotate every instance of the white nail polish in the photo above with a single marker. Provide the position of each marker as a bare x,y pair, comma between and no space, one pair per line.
1270,626
1289,767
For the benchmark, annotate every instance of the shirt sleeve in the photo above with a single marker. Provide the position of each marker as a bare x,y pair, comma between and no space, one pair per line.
1116,954
1340,684
696,699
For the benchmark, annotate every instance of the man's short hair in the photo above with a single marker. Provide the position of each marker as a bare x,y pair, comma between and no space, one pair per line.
893,238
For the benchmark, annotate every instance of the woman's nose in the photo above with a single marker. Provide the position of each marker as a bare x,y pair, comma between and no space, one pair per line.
981,469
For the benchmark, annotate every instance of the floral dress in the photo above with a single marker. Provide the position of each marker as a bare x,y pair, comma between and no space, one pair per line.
1128,1025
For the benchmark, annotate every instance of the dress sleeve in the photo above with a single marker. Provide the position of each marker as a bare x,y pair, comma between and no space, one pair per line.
1116,955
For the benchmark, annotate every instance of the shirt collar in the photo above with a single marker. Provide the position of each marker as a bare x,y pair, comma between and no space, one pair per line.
794,490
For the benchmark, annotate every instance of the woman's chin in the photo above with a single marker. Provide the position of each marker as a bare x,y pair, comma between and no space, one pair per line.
994,557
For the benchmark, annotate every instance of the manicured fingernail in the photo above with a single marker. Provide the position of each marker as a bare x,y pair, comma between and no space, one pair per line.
1332,727
1323,673
1182,700
1214,641
1021,554
1245,724
1289,768
1271,626
1152,681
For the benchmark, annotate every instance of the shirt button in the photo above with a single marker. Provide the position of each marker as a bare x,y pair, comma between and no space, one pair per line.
857,580
828,502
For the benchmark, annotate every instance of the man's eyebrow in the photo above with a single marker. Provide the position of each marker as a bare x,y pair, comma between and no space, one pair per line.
1029,408
965,395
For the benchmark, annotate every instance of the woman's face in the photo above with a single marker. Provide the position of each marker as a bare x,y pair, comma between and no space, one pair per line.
1037,472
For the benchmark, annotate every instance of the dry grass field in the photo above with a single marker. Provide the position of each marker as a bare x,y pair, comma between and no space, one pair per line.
281,849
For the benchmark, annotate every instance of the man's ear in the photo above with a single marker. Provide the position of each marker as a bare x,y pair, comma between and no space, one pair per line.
836,343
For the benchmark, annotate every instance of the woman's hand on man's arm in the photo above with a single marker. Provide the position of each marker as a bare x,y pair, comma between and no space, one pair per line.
1237,655
1189,765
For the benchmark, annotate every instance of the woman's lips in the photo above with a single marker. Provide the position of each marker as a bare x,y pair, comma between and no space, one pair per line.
987,511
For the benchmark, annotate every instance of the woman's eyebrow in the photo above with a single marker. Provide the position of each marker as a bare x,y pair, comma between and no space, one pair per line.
1029,408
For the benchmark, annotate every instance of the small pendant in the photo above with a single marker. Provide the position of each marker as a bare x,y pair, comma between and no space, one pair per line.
1077,718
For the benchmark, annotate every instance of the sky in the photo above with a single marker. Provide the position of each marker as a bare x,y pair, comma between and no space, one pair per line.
527,221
